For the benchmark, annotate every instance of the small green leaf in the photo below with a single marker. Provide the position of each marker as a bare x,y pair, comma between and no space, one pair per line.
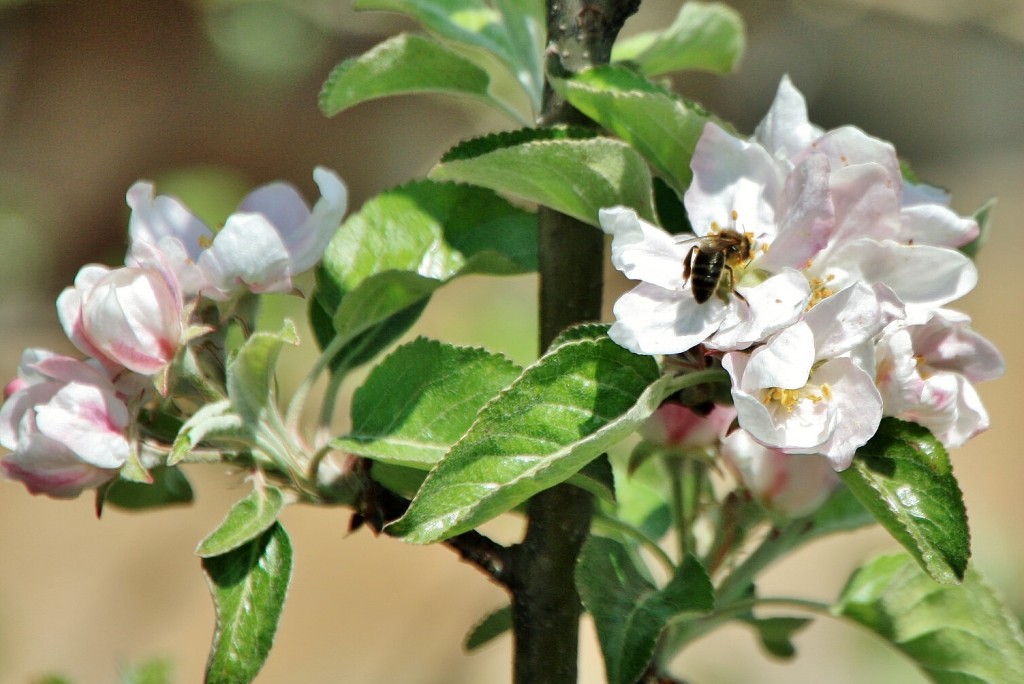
630,612
776,633
246,520
511,30
560,414
386,260
249,586
251,374
169,487
663,127
576,175
215,420
596,477
960,634
491,627
401,65
707,36
984,218
421,399
904,478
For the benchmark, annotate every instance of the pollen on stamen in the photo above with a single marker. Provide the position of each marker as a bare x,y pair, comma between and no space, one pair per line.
205,242
735,215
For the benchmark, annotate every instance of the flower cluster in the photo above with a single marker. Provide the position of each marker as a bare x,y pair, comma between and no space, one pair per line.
819,276
69,423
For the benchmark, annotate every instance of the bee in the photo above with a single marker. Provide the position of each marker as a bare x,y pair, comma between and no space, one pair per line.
712,257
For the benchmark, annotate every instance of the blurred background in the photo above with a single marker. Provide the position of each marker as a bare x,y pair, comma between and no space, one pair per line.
212,97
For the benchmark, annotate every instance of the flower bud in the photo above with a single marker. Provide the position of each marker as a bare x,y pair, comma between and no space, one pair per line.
124,317
675,425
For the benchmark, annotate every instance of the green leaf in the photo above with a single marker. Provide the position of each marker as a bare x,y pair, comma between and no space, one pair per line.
511,30
960,634
246,520
401,65
169,487
630,612
212,421
386,260
491,627
984,218
707,36
421,399
250,374
597,478
663,127
904,478
402,480
560,414
776,633
249,586
574,172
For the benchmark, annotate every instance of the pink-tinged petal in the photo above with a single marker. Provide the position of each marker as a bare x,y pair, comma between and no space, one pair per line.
847,319
947,343
785,130
785,361
770,306
133,318
792,484
323,221
733,175
807,217
971,417
153,220
89,422
858,405
922,193
17,415
849,146
248,251
643,251
866,203
675,425
66,369
934,224
918,274
652,320
45,467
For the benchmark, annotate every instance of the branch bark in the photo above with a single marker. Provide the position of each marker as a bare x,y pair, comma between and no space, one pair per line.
545,606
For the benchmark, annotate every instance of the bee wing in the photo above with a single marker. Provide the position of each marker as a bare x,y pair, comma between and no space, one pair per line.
686,238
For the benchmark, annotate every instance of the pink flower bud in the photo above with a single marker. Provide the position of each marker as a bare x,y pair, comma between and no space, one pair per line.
130,317
65,426
674,425
791,484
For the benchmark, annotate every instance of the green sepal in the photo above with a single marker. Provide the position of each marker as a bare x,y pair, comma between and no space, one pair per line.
956,634
629,611
570,170
704,36
776,633
903,476
249,586
983,215
246,520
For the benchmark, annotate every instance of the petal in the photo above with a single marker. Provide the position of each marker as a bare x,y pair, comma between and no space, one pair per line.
934,224
785,130
89,422
323,221
46,467
247,251
802,430
947,343
866,204
152,220
643,251
846,319
919,274
770,306
785,361
849,146
653,320
858,406
733,175
807,217
280,203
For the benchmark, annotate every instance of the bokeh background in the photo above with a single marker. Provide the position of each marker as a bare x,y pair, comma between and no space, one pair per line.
212,97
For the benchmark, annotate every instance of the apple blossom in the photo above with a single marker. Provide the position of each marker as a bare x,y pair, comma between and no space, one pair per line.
789,396
792,484
925,374
270,239
64,424
124,317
